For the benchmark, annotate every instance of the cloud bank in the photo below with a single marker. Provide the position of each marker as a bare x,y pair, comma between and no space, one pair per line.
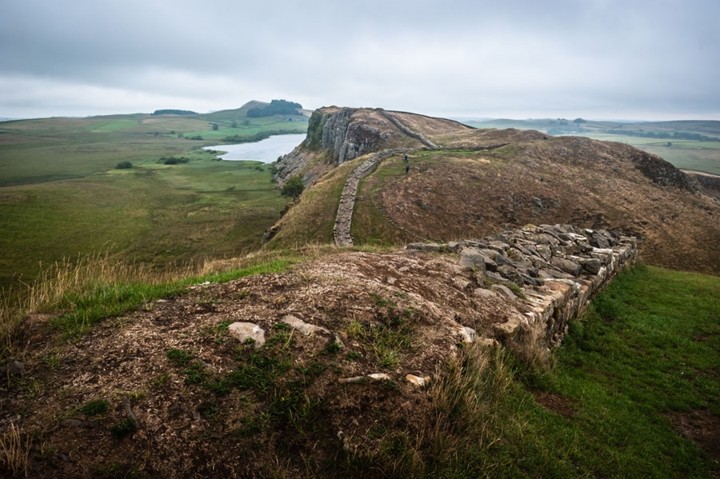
518,58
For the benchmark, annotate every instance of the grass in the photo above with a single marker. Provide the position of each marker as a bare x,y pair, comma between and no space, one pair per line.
15,451
388,338
686,154
370,226
82,293
61,196
647,349
311,220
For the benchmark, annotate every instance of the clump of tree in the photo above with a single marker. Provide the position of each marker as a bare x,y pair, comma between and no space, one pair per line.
276,107
174,112
124,165
293,187
173,160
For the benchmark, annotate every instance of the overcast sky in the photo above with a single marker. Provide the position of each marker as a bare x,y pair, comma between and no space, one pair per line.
599,59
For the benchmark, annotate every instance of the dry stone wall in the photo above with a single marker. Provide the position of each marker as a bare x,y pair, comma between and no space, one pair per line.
551,271
348,196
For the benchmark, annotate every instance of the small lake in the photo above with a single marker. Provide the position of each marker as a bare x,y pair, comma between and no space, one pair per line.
266,150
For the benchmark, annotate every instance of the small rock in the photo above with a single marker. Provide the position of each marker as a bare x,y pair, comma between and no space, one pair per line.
454,246
485,293
354,379
13,368
592,265
303,327
470,258
498,246
487,342
468,334
391,281
244,331
430,247
461,283
418,381
504,290
570,267
510,273
379,376
72,423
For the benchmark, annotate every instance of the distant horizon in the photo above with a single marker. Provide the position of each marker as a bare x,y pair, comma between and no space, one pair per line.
458,117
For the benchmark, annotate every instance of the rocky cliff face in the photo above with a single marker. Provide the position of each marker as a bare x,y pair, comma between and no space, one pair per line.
336,135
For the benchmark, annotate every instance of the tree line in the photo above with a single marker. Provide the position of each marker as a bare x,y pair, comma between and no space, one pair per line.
276,107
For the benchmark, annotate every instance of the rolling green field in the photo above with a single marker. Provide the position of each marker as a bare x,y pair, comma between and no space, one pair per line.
61,195
685,153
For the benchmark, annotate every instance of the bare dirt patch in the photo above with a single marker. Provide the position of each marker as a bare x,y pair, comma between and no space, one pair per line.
166,391
701,427
555,403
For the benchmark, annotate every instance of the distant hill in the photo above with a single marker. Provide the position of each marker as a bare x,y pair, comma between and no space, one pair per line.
244,112
689,144
466,183
175,112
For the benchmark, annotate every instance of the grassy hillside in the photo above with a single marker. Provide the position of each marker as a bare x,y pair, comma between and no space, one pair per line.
672,140
61,195
634,391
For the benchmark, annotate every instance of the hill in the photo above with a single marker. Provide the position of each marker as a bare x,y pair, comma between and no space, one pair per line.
465,183
690,144
63,197
428,360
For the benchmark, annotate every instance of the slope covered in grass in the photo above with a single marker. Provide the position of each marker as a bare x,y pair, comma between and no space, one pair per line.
635,391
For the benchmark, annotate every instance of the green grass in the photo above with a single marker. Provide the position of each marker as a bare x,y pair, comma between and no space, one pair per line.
685,154
648,348
96,300
61,196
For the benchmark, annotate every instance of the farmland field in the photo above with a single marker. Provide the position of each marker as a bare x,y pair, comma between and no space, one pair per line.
61,195
670,140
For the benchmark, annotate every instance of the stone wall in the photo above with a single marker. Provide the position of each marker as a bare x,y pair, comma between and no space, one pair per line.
551,272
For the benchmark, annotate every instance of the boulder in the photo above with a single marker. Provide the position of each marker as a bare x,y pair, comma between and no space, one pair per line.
471,259
244,331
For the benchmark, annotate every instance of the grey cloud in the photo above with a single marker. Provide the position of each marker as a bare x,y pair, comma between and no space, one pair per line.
479,57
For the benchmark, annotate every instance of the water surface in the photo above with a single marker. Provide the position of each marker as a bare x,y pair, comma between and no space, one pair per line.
266,150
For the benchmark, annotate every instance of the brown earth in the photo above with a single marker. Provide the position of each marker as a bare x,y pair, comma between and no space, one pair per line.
459,193
478,182
701,427
186,399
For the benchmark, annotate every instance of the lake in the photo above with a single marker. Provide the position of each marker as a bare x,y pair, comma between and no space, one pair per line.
266,150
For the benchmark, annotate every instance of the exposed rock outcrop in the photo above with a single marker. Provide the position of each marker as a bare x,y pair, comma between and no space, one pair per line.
336,135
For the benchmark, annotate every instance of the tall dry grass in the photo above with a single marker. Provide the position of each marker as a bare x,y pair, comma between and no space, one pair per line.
66,278
465,400
15,451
